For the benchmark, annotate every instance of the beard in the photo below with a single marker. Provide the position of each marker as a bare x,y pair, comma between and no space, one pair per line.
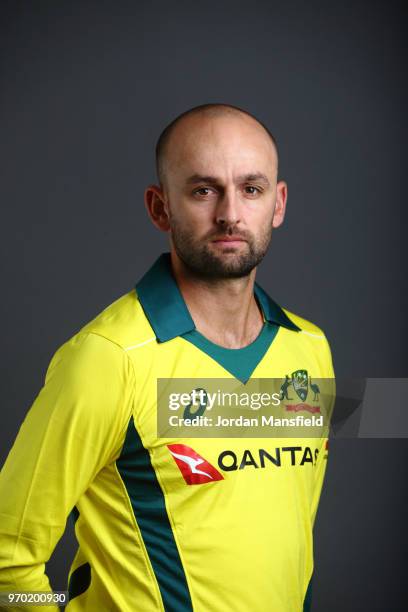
204,263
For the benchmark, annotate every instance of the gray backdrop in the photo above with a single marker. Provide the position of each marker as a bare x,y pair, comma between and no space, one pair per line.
86,88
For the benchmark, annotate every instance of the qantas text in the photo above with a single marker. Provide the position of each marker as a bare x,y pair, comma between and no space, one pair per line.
288,455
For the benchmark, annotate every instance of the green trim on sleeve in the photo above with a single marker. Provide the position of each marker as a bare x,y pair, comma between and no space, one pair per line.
147,499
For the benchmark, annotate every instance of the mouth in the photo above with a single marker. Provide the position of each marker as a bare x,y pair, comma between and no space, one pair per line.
229,240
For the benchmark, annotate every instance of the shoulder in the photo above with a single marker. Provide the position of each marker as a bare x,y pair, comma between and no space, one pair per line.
313,340
122,322
305,326
100,345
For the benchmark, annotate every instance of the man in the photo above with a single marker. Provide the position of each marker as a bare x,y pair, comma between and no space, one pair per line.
167,524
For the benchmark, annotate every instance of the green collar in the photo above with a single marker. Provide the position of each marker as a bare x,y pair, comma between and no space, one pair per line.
166,310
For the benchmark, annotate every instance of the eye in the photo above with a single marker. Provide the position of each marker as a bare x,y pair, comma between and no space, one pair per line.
256,189
201,191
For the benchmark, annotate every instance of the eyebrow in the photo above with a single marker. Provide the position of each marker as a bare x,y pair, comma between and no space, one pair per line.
213,180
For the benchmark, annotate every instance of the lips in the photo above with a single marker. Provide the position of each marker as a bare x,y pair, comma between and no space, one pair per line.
229,239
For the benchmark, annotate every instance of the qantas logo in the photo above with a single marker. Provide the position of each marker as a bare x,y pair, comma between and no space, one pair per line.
188,462
197,470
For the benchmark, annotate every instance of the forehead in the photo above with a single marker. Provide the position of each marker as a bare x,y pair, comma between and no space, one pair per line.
220,145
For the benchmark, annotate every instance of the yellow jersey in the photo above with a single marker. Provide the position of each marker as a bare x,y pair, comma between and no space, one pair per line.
153,533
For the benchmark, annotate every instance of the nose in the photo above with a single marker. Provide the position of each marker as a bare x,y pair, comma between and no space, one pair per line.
227,211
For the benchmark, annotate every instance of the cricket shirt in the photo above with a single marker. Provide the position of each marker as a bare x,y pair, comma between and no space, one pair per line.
163,524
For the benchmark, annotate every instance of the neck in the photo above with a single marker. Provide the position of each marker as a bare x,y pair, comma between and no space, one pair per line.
223,310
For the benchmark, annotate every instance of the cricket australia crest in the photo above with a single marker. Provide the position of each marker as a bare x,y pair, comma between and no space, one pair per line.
301,383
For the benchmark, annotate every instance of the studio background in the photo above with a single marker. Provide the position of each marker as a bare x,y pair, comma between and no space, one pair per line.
87,87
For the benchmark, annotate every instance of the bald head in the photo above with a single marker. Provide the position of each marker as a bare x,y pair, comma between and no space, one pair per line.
191,124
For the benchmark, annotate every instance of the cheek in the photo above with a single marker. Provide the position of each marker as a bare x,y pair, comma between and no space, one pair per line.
194,215
259,217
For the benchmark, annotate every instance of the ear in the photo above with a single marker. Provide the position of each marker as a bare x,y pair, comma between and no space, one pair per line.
280,206
157,207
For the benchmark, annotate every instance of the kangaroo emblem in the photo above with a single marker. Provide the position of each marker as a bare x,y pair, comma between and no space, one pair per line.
284,388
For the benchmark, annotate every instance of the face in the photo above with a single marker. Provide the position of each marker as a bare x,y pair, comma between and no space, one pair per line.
221,198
